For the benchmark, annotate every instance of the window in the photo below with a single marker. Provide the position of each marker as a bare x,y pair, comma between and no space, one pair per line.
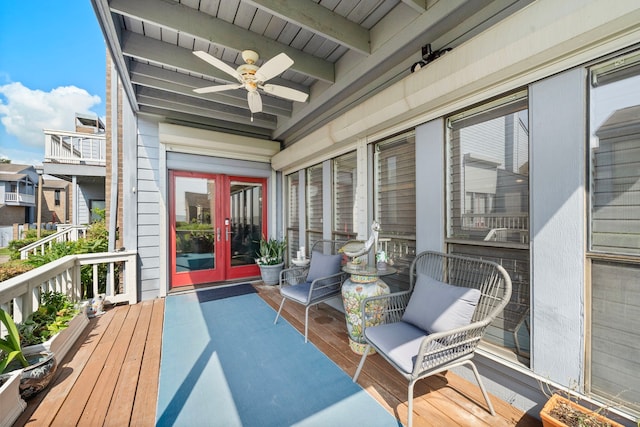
314,205
488,203
293,215
395,203
97,209
344,196
614,235
56,197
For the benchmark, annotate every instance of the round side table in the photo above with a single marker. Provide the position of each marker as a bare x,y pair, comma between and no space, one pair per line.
364,282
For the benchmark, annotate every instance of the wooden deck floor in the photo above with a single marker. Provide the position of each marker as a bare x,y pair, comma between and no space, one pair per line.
110,377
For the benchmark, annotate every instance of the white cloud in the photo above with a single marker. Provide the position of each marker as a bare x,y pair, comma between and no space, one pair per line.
25,113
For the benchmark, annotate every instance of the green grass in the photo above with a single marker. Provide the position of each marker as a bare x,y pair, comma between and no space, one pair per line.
5,251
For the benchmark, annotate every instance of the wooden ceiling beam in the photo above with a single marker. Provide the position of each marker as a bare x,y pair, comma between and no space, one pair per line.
319,20
183,19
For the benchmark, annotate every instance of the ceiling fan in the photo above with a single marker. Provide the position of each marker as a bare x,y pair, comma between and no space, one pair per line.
252,78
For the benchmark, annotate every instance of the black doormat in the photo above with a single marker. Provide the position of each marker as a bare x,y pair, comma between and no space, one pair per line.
225,292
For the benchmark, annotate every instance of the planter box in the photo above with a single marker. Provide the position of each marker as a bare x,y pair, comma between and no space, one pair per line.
11,404
61,342
550,421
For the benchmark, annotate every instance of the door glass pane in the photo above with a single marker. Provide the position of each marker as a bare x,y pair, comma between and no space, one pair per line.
245,228
195,216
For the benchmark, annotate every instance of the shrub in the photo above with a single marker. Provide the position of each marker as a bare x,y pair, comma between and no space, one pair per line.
13,268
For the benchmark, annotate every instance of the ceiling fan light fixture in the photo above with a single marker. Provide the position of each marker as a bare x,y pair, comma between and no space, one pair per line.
250,56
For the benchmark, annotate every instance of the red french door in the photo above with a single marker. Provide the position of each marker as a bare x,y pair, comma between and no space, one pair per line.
216,222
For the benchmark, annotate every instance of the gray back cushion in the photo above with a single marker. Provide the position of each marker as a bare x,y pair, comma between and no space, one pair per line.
435,306
323,265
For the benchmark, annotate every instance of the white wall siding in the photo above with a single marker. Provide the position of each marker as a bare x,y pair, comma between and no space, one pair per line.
430,186
558,123
149,197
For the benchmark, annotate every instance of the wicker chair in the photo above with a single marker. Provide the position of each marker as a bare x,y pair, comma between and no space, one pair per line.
437,324
318,282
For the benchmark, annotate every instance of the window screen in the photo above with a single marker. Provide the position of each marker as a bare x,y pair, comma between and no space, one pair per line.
293,216
395,202
488,204
344,196
614,368
314,205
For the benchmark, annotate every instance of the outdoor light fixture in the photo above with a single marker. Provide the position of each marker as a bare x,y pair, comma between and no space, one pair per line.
428,56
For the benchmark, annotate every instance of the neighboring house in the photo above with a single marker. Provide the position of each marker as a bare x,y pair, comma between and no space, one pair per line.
56,201
18,191
79,158
520,146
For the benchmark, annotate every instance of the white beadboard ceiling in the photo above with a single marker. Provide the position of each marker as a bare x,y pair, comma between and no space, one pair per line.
343,51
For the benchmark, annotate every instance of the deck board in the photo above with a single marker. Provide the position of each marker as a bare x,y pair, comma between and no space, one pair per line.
111,375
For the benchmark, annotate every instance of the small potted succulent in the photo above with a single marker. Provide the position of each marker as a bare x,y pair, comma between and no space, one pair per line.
270,259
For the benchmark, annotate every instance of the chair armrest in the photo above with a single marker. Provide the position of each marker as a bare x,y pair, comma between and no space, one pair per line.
388,308
443,347
327,281
293,276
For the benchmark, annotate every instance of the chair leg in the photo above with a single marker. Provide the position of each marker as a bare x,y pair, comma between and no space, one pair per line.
279,310
410,403
306,323
364,357
484,391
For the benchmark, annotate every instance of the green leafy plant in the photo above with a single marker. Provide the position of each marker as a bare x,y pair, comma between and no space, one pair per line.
53,315
10,347
271,251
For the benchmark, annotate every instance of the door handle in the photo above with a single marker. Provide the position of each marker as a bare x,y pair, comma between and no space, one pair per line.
227,229
218,234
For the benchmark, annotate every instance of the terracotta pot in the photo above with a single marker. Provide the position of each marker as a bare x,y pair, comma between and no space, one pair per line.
549,421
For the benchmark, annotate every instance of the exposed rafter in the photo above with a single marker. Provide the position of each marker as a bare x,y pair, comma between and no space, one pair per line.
318,19
183,19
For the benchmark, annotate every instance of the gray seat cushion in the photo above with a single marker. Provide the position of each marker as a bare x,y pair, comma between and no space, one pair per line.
399,341
323,265
435,306
300,293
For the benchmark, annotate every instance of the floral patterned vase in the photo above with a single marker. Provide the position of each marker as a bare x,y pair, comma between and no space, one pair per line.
354,290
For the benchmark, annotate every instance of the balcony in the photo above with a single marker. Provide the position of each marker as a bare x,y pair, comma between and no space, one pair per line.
110,377
74,153
19,199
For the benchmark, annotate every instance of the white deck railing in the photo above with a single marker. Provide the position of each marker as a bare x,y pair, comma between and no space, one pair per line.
66,233
75,148
20,295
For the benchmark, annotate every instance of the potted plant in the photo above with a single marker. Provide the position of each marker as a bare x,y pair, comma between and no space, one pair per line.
271,259
54,327
560,411
36,369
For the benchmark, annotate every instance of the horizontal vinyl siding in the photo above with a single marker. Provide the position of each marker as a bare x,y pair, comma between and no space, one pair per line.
148,201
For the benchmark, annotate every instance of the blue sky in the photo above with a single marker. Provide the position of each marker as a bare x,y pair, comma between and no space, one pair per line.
52,65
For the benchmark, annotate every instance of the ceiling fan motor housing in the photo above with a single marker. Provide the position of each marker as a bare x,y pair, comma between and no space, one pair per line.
250,56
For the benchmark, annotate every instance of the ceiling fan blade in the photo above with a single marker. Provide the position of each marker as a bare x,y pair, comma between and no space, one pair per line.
220,88
255,101
218,64
285,92
273,67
